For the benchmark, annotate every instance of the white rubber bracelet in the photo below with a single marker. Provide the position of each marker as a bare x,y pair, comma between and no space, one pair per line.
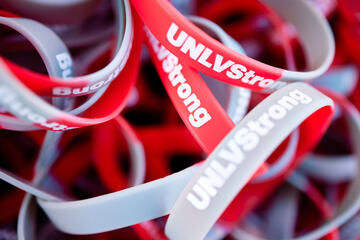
351,202
235,160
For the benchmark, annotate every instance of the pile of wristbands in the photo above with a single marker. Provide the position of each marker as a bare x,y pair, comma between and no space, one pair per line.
181,119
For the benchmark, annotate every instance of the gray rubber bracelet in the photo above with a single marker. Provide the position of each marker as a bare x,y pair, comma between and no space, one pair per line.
319,51
350,230
140,203
49,152
55,56
326,168
106,75
58,63
27,217
283,214
13,91
40,36
351,202
215,184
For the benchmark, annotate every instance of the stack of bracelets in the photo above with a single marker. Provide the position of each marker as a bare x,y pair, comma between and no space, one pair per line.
181,119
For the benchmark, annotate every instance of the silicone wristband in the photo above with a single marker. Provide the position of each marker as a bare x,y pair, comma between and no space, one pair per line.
350,204
49,152
282,216
27,216
58,63
56,57
205,54
89,83
217,183
326,168
59,120
8,177
77,217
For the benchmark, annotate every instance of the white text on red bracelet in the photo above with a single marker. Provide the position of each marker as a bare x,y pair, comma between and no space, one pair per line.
198,115
204,56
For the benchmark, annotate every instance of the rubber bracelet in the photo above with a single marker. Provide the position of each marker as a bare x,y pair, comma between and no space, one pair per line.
56,57
326,168
350,204
58,63
27,216
48,154
8,177
205,54
106,109
37,44
218,180
282,214
89,83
